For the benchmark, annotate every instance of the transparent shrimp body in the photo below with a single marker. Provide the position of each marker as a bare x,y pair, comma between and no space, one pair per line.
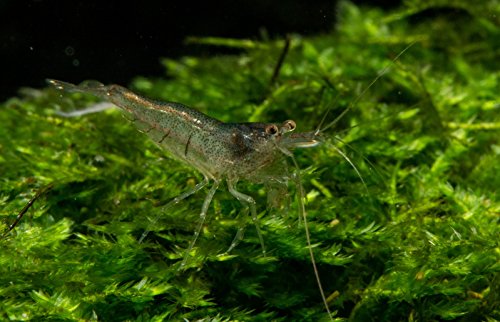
255,152
220,151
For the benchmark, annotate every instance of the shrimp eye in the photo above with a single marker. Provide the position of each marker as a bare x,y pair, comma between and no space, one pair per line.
289,125
271,129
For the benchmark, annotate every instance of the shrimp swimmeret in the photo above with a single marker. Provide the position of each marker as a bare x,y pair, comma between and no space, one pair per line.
255,152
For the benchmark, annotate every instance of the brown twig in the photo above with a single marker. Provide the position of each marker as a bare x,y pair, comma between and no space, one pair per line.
281,59
25,209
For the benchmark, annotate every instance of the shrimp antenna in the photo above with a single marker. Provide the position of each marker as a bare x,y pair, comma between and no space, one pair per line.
323,119
358,173
303,215
360,154
356,100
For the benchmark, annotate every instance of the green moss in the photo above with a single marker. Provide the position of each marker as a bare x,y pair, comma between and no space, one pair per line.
418,243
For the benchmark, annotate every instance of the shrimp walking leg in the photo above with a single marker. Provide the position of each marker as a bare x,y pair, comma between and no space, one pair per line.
248,201
243,217
203,216
237,238
174,202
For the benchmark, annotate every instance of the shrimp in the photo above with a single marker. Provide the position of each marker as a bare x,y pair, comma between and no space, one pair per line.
255,152
220,151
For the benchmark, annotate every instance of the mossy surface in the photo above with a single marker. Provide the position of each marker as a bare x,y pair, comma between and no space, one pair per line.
419,243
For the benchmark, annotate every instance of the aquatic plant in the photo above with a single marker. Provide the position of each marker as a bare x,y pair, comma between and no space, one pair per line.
419,243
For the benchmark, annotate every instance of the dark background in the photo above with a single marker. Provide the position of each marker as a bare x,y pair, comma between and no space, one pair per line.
113,41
